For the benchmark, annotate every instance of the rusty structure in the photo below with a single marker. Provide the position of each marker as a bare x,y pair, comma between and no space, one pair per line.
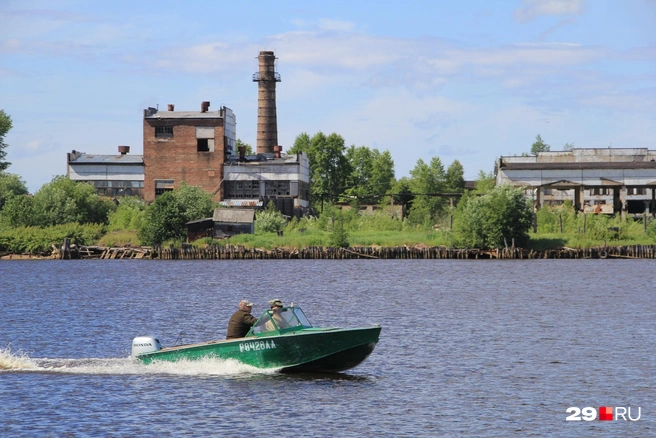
267,120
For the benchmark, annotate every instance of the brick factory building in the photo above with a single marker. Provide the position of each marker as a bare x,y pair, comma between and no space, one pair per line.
186,146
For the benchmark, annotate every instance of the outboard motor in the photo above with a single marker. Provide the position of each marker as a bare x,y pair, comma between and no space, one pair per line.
145,344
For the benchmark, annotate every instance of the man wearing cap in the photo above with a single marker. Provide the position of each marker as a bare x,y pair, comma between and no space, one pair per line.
276,308
241,321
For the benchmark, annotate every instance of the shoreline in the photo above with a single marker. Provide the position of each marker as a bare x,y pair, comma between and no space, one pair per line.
418,252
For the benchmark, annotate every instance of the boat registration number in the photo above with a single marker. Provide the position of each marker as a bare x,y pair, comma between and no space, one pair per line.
256,346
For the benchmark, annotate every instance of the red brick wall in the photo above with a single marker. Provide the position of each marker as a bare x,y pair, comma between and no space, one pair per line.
177,158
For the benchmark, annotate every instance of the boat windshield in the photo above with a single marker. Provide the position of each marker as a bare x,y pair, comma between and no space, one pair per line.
287,319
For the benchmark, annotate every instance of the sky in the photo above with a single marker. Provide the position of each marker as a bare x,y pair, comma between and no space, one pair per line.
467,80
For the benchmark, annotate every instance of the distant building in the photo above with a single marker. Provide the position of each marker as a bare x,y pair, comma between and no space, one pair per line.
256,180
186,146
598,180
111,175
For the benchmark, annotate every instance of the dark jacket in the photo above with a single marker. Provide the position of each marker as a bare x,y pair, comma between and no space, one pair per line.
239,324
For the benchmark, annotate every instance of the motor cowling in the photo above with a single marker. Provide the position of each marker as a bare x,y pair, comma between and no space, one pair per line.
145,344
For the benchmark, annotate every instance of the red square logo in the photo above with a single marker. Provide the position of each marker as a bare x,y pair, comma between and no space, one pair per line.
605,413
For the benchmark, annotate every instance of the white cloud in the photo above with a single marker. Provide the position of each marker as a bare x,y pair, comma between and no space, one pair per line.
536,8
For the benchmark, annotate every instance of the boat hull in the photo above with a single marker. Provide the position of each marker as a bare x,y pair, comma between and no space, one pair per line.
312,350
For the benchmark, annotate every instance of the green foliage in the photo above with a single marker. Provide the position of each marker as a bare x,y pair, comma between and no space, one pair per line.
269,220
329,167
128,215
427,180
64,201
372,173
40,240
18,212
539,146
568,147
494,219
338,236
485,182
10,185
455,178
166,218
5,126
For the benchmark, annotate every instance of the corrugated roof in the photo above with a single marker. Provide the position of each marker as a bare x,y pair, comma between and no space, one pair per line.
186,115
234,215
108,159
579,165
241,203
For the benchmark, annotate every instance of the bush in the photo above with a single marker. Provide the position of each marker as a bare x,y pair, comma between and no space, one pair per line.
40,240
494,219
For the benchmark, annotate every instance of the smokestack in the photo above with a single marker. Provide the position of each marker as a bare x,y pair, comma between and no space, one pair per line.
277,149
267,121
171,106
123,149
204,107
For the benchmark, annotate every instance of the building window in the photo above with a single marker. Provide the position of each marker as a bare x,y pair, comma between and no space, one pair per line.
163,185
276,188
242,189
636,190
599,191
164,131
202,145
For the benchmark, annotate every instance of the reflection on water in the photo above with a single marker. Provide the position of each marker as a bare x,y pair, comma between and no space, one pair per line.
475,348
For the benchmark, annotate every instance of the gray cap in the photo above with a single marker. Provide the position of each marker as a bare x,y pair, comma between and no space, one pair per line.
245,303
276,303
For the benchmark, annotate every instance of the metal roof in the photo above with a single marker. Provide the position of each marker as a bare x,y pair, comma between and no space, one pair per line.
108,159
186,115
234,215
580,165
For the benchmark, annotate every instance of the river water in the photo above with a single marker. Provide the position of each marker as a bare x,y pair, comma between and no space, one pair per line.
468,348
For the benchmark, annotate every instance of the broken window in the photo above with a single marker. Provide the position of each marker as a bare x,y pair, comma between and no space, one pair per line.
201,145
163,185
164,131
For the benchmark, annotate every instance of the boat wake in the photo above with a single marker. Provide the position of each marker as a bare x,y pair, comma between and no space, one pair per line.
21,362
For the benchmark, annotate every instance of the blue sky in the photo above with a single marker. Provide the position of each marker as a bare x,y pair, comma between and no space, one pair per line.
466,80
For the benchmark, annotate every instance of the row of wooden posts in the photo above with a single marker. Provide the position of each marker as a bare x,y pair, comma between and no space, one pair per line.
238,252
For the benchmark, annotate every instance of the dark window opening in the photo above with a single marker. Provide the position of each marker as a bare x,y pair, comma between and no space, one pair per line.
202,145
164,131
163,186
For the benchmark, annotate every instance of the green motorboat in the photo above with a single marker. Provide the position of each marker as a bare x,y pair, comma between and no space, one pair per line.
286,341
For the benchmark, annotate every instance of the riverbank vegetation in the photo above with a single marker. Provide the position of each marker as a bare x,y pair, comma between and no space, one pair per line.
429,208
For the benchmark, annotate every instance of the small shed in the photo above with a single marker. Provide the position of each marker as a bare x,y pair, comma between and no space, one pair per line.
224,223
231,221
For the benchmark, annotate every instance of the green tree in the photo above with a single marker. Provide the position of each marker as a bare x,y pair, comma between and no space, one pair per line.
5,126
427,180
63,201
18,212
269,220
568,147
494,219
164,219
539,146
485,182
382,173
338,237
455,178
10,185
128,215
167,217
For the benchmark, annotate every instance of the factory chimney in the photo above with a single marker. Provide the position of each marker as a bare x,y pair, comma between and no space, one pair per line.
267,120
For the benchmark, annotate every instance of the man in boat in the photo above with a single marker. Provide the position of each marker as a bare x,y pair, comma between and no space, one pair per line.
241,321
276,309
